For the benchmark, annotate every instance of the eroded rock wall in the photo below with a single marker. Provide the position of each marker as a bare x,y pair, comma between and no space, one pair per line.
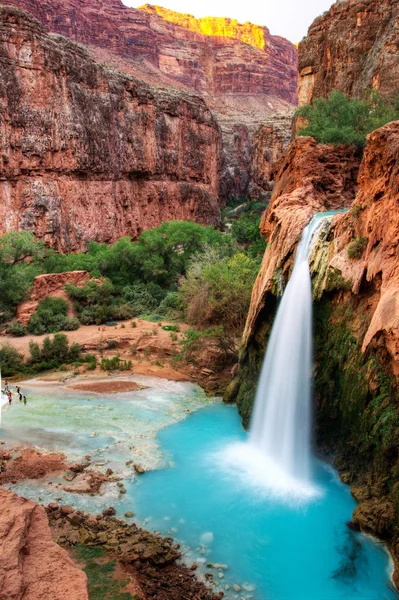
243,72
89,153
32,565
353,47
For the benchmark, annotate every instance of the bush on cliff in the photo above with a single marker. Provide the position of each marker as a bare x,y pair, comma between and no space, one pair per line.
344,120
51,316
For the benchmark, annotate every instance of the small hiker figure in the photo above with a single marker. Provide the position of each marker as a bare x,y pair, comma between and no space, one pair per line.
18,388
9,397
20,396
6,386
25,400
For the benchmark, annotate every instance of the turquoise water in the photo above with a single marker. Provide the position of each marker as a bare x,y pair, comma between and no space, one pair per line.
272,550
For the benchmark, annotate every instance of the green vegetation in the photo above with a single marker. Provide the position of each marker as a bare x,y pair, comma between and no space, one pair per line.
20,257
11,360
217,289
357,247
344,120
104,584
194,339
97,303
52,353
355,393
51,317
115,364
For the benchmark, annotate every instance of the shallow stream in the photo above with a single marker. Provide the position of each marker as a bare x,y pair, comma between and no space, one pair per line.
273,548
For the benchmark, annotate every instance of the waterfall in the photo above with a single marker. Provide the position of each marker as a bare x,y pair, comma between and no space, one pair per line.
280,427
277,456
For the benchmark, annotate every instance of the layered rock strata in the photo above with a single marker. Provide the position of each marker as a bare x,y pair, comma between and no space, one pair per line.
353,47
243,72
32,565
88,153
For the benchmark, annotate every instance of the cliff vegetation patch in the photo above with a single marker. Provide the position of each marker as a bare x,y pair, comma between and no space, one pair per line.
343,120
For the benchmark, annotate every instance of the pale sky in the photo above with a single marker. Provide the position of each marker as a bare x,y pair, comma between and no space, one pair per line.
289,18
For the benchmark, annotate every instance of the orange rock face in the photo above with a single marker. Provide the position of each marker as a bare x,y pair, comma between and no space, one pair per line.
309,178
88,153
52,284
375,219
241,70
32,565
353,48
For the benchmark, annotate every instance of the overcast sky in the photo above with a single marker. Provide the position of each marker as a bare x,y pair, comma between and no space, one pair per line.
289,18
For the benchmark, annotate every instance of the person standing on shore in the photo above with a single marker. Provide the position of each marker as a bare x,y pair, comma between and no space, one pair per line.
25,400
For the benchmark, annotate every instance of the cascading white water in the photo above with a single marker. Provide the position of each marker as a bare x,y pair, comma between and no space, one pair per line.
280,427
277,457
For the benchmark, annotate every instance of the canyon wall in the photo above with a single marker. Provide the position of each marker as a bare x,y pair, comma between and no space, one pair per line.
243,72
353,47
90,153
355,269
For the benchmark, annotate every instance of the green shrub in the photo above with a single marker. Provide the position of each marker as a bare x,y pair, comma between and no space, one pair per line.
115,364
17,329
53,352
172,305
51,317
11,360
96,303
112,344
344,120
140,299
91,361
357,247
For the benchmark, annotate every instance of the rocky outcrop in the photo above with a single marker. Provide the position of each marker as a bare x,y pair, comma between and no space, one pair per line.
52,284
268,145
241,70
32,566
88,153
353,47
310,178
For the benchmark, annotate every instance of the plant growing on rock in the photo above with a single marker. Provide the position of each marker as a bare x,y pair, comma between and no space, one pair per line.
357,247
51,317
344,120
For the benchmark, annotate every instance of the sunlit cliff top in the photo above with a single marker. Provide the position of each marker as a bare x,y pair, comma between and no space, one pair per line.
254,35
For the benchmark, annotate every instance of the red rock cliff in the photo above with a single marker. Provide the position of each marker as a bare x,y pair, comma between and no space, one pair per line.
89,153
242,71
353,47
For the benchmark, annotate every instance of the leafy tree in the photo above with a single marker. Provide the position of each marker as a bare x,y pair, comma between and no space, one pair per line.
20,257
344,120
11,361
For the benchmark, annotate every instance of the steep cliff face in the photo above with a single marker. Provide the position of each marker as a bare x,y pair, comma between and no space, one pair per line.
356,285
88,153
268,145
353,47
242,71
32,565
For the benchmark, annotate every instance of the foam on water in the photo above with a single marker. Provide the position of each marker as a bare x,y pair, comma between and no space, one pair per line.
262,475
